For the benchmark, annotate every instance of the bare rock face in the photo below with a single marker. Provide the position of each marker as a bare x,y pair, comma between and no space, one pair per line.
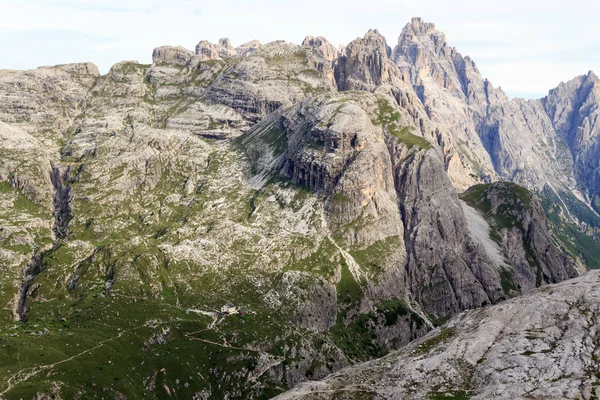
248,48
447,270
330,145
321,47
383,184
540,345
211,51
447,85
573,108
210,95
326,55
274,75
510,127
488,131
226,44
364,66
172,55
37,108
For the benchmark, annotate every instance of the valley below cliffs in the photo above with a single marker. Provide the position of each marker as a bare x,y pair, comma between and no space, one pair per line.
232,222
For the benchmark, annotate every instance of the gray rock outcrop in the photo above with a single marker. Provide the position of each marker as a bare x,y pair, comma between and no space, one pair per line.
540,345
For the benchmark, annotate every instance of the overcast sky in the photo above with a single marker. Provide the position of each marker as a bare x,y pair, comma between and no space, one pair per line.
524,46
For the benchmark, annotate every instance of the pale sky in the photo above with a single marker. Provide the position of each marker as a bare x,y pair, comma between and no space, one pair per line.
525,46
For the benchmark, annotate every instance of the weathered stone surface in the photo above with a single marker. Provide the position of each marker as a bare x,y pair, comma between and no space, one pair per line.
365,64
447,271
573,108
540,345
211,51
381,186
248,48
172,55
519,226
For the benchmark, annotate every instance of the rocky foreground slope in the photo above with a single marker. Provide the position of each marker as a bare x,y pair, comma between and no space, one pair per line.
317,190
542,345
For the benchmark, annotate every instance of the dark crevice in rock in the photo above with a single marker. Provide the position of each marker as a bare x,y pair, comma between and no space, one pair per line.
62,215
62,200
27,288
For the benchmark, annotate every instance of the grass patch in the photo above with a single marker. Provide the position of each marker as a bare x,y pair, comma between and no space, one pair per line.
405,136
395,308
373,257
323,262
349,291
507,281
388,117
444,335
571,239
339,198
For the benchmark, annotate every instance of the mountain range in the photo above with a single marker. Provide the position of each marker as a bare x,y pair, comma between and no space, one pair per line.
235,222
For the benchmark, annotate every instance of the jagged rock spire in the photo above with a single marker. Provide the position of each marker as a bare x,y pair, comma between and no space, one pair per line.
365,63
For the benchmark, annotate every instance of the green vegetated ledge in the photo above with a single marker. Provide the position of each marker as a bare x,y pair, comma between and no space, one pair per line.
515,200
389,118
567,234
355,334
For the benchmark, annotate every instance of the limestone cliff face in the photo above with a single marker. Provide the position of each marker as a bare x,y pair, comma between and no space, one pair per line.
487,136
573,108
453,94
489,131
330,145
381,184
446,270
365,64
175,55
325,54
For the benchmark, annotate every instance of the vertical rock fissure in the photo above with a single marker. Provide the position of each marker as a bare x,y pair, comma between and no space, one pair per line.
62,201
396,175
26,288
62,215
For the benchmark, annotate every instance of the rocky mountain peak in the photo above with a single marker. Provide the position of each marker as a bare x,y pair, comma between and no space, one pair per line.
314,188
248,47
213,51
85,68
374,39
420,41
172,55
322,47
226,44
591,76
421,34
422,54
418,27
365,64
